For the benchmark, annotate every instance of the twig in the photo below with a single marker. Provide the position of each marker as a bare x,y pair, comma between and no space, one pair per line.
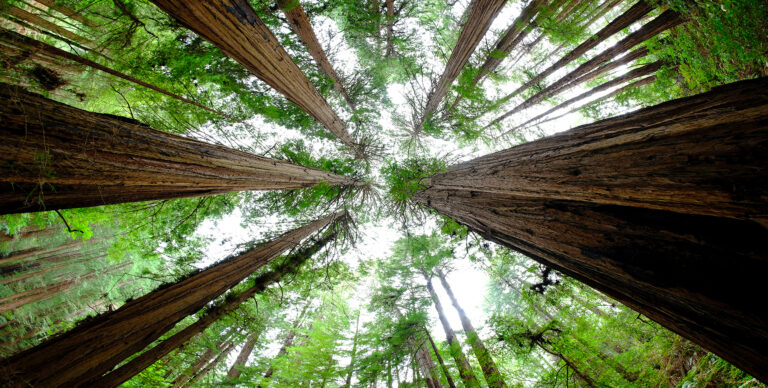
67,224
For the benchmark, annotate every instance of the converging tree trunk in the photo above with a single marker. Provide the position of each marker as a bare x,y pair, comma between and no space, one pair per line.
45,24
465,370
300,25
234,27
224,353
353,354
96,346
242,357
492,375
444,368
69,12
662,209
479,16
54,156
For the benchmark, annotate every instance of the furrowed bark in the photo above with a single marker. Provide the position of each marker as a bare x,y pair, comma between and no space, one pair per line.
54,156
665,21
20,277
300,25
234,27
446,373
625,20
662,209
96,346
28,44
480,15
492,375
242,357
465,370
260,283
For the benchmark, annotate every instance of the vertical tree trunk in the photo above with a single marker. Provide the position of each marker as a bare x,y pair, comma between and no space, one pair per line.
492,375
351,367
480,15
107,340
32,45
661,209
446,373
300,25
234,27
465,370
54,156
390,29
242,357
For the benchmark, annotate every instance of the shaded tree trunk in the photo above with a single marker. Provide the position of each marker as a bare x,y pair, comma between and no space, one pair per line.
661,209
492,375
91,159
465,370
480,15
110,338
390,28
20,277
224,353
300,25
201,362
446,373
583,376
288,341
234,27
72,14
242,357
351,367
45,24
625,20
32,45
665,21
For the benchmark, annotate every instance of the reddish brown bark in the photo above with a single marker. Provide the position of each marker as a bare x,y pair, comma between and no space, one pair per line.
40,251
234,27
96,346
64,10
54,156
45,24
242,357
465,370
30,45
300,25
20,277
479,16
492,375
661,209
664,22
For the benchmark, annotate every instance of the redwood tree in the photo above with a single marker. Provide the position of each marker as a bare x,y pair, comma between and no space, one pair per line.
54,156
662,209
96,346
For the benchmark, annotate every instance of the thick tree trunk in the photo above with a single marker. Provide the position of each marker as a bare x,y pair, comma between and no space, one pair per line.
444,368
480,15
31,45
630,75
149,357
242,357
96,346
625,20
55,157
234,27
465,370
662,209
492,375
46,25
300,25
665,21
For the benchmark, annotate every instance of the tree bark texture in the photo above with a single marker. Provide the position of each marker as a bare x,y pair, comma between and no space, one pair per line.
479,16
46,25
465,370
260,283
234,27
492,375
444,368
300,25
665,21
625,20
95,347
663,209
54,156
31,45
242,357
72,14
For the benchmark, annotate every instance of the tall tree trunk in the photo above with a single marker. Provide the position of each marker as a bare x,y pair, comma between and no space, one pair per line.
300,25
351,367
288,341
601,10
55,157
45,24
465,370
427,366
107,340
492,375
72,14
31,45
242,357
224,353
660,209
202,360
665,21
444,368
480,15
625,20
39,251
290,265
234,27
390,29
20,277
630,75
